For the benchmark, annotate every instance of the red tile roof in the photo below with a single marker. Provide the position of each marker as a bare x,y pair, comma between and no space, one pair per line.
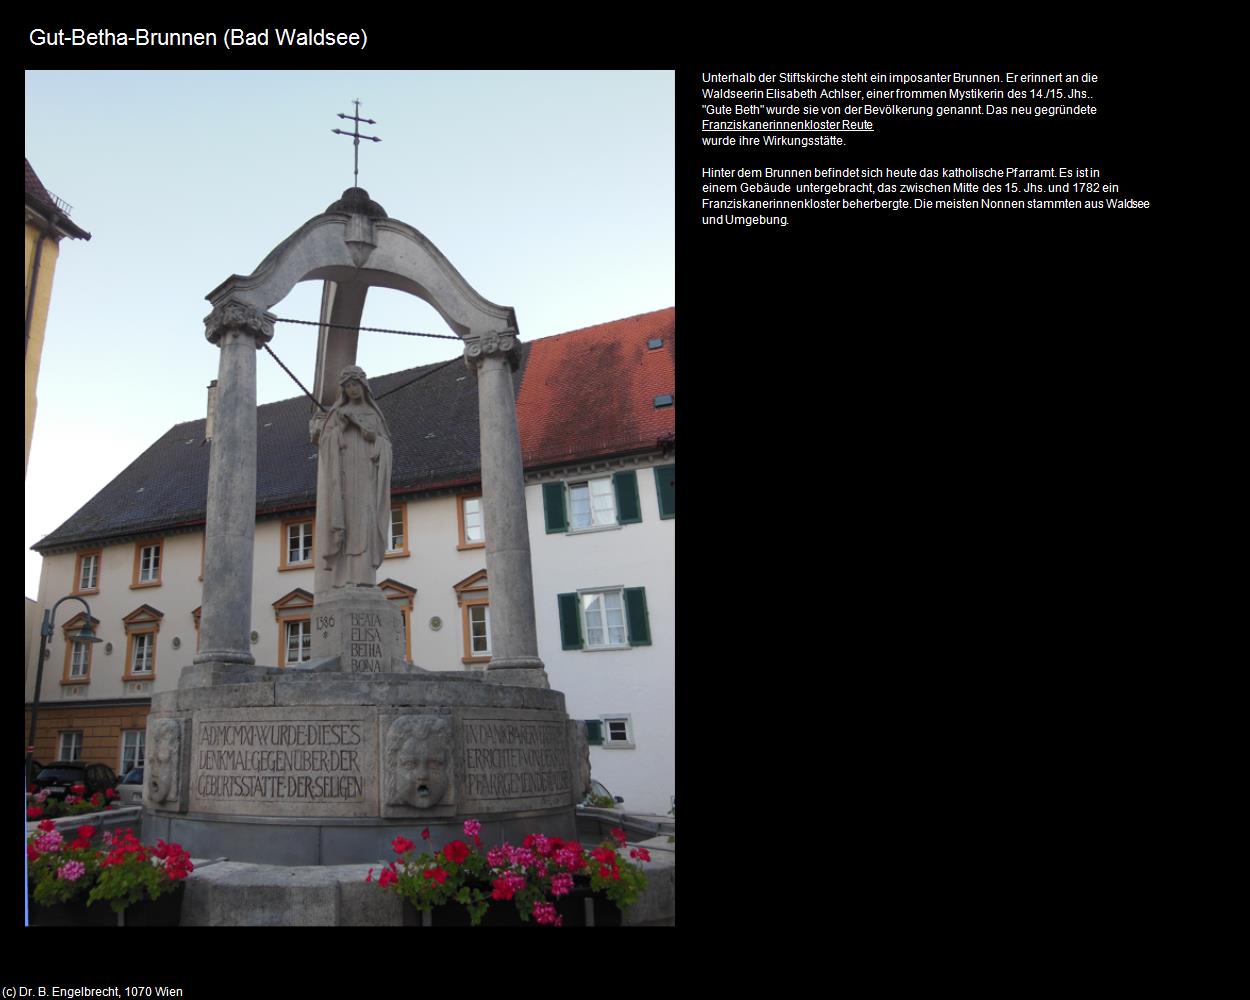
591,392
38,197
34,186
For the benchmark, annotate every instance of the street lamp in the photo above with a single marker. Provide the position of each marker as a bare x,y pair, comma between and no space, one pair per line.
85,634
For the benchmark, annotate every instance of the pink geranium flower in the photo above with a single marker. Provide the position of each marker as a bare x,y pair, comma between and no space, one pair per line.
472,827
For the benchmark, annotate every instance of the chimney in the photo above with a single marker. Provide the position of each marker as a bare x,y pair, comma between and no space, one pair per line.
212,410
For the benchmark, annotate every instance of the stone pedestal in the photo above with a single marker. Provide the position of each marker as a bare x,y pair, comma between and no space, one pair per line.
360,627
312,768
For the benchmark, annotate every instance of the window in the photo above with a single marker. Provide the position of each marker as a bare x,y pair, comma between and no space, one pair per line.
607,618
87,573
293,613
142,626
398,542
604,615
472,524
298,641
77,654
618,732
297,544
132,749
70,747
403,596
592,504
147,564
473,596
142,655
666,489
479,630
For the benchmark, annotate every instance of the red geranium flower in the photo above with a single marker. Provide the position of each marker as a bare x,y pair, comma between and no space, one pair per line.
78,789
387,877
33,812
31,852
618,833
425,834
110,793
641,853
604,854
456,851
46,825
86,831
402,844
436,874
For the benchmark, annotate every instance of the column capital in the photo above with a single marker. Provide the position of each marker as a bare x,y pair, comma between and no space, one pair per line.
235,315
503,343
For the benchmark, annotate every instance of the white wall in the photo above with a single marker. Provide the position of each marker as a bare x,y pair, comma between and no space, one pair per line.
637,682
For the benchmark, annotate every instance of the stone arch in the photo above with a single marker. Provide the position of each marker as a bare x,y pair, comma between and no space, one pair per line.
354,243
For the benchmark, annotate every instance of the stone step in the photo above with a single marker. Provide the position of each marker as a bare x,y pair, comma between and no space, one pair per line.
223,893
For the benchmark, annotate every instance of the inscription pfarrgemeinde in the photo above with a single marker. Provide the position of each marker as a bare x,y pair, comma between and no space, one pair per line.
365,652
267,761
512,759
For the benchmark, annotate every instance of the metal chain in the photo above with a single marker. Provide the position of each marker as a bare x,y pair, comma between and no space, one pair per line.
382,395
294,379
371,329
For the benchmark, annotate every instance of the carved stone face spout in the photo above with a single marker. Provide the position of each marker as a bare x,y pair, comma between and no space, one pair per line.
418,749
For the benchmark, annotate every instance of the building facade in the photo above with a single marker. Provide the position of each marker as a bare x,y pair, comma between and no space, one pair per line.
596,421
47,223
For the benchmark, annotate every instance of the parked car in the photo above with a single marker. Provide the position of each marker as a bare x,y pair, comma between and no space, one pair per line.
33,768
600,795
59,776
130,788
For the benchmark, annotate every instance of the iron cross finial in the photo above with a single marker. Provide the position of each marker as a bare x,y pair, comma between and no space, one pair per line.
356,137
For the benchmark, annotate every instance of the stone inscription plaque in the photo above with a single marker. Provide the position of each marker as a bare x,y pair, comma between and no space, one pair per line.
364,630
515,759
285,761
364,643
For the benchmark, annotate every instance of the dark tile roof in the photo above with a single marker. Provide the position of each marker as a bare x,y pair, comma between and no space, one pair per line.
592,392
39,198
432,414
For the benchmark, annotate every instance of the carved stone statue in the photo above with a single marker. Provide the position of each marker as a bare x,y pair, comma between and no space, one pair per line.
354,464
162,760
418,760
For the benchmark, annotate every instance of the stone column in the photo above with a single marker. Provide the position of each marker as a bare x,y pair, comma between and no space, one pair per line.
226,620
514,638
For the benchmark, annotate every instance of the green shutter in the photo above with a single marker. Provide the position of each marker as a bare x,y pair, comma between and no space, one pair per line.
553,507
570,621
594,732
636,616
628,509
665,489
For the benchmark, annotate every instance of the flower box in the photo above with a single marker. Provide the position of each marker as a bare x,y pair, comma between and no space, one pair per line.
572,908
165,911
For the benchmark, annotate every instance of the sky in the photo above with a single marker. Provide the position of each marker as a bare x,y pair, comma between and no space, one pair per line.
549,191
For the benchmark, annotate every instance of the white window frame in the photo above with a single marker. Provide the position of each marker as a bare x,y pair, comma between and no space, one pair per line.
80,659
304,630
305,543
397,513
74,749
473,651
619,744
600,517
150,554
94,583
139,746
481,520
147,642
583,610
